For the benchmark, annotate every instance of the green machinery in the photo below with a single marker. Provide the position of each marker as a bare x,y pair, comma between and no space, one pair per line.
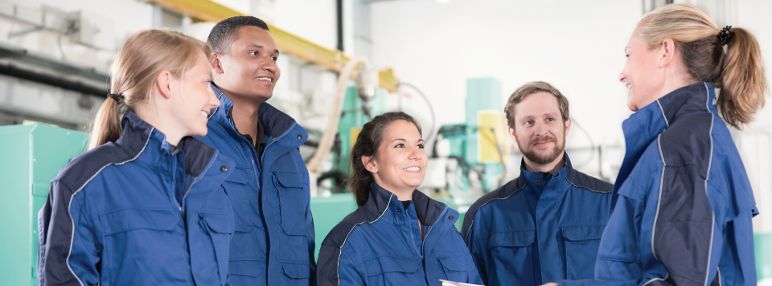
31,155
477,150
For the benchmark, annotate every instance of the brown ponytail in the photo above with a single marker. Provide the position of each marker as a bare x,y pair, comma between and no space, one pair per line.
743,85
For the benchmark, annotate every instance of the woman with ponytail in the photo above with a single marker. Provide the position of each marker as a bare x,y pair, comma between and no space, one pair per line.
144,205
683,203
398,235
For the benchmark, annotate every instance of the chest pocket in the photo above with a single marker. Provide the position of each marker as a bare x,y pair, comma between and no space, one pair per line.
293,201
219,228
150,235
393,271
512,257
581,248
129,220
454,267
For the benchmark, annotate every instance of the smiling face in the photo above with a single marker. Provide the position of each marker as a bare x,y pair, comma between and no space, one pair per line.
641,74
247,67
539,129
399,163
194,99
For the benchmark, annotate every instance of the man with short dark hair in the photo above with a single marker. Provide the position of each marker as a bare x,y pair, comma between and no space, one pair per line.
544,226
273,241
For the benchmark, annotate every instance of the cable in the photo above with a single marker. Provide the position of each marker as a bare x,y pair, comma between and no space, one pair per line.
428,105
328,137
589,138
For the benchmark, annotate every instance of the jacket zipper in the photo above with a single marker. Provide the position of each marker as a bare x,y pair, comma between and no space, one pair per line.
423,243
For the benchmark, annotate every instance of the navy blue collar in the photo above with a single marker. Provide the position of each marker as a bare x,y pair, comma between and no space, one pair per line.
427,210
538,180
643,126
137,136
274,121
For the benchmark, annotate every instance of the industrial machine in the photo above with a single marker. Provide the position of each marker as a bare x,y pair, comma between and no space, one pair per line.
31,155
470,158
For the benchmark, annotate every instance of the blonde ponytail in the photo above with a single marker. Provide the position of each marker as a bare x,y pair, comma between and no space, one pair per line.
107,124
743,85
135,69
738,72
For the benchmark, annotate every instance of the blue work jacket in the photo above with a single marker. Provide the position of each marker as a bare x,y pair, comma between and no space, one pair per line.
274,239
384,242
539,227
113,216
683,200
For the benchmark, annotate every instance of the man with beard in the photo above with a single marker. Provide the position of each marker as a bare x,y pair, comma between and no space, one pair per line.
544,226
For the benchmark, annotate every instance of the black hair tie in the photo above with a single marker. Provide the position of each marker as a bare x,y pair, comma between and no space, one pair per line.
117,97
725,35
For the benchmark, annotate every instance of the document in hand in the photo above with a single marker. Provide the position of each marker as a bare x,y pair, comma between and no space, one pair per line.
454,283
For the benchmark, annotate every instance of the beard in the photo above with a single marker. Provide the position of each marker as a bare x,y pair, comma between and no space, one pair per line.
545,157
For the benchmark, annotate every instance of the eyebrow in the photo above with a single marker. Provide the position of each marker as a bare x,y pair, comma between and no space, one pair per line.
405,140
276,52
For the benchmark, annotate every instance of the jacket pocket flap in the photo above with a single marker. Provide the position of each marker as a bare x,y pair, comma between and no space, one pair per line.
289,179
239,176
453,263
297,271
582,232
512,238
382,265
251,268
133,219
219,223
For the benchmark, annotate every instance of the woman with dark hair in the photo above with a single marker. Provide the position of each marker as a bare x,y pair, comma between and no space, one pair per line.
398,235
683,202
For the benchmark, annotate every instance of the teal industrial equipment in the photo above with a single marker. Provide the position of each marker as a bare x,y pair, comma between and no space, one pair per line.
31,155
328,211
477,148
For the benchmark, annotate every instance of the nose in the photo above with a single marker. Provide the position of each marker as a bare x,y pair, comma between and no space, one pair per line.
622,77
214,102
415,153
270,66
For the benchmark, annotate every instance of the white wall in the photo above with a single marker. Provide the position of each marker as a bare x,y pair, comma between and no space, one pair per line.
576,45
756,15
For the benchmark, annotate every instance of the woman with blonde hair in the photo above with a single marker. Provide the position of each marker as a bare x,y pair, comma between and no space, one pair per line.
683,202
144,205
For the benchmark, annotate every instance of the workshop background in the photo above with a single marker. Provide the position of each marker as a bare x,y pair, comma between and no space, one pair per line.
450,63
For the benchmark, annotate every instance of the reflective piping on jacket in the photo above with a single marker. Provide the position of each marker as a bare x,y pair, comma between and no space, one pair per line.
663,113
69,205
340,250
657,279
707,173
584,188
659,196
471,224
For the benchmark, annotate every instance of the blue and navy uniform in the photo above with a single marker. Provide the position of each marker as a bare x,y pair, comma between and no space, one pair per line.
138,211
274,239
684,203
539,227
388,242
